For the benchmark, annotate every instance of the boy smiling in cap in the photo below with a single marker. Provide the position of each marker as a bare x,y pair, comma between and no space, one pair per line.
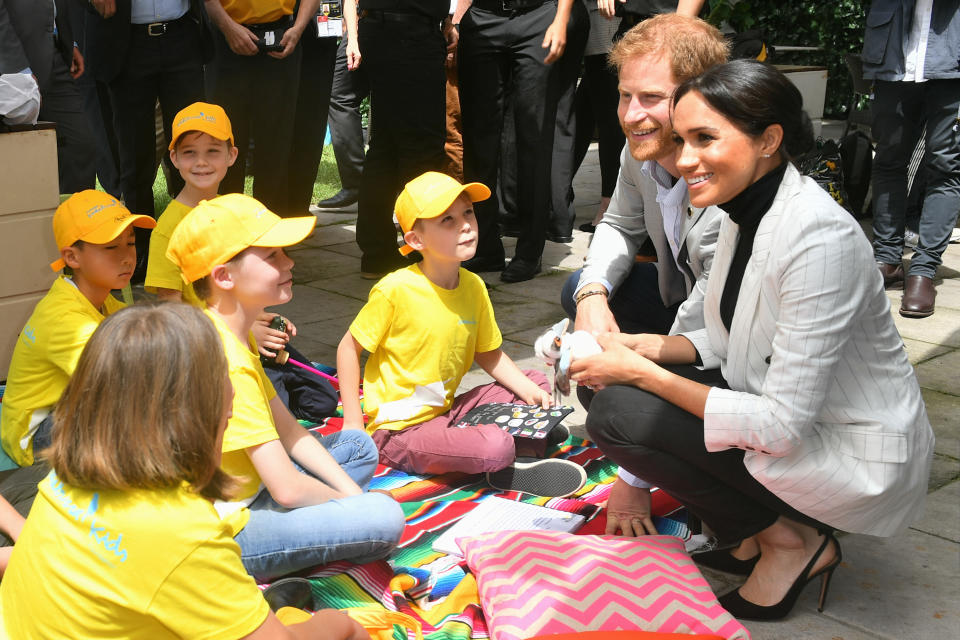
424,326
202,150
287,517
94,233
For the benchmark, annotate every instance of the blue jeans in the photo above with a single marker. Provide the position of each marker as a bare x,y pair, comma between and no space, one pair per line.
277,541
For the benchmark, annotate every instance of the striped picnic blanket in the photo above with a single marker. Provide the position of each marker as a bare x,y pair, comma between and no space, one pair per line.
433,587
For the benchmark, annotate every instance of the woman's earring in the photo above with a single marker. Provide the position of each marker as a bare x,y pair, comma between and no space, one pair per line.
765,155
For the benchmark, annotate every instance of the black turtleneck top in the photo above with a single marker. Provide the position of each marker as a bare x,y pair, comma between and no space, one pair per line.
747,210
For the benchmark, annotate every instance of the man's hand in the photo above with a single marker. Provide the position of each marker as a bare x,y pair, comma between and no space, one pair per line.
628,510
594,316
289,42
451,35
106,8
242,41
555,39
76,64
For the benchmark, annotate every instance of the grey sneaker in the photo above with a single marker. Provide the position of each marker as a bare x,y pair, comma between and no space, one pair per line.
549,478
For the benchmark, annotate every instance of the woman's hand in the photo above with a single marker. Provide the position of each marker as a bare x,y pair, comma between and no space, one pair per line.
618,364
353,54
628,510
555,40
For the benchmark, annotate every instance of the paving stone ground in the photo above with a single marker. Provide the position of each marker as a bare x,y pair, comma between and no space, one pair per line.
907,587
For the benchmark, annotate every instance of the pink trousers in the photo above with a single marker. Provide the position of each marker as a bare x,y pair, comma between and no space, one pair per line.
438,446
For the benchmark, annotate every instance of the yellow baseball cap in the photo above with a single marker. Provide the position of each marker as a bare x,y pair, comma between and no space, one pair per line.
95,217
429,195
218,229
202,116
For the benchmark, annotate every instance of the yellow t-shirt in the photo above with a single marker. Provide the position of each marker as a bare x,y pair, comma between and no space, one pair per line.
257,11
43,360
161,272
422,340
252,420
133,564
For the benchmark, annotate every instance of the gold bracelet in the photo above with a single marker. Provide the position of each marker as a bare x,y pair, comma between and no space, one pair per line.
586,294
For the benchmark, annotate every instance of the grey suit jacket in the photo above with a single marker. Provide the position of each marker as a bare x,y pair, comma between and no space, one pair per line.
822,396
633,216
26,37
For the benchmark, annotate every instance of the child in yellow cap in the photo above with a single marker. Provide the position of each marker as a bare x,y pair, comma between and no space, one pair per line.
302,502
424,326
94,233
201,148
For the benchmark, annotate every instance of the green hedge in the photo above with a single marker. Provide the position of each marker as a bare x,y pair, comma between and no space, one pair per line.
836,27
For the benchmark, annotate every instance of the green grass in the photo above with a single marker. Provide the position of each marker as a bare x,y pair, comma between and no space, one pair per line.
326,184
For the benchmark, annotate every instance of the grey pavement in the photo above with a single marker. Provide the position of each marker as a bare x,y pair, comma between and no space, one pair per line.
906,587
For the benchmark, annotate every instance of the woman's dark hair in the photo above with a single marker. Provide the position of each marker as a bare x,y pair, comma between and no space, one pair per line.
753,95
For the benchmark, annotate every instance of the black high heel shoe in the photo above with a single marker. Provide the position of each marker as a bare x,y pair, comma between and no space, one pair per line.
746,610
722,560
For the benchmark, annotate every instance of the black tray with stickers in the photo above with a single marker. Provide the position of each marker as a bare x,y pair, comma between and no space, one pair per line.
528,424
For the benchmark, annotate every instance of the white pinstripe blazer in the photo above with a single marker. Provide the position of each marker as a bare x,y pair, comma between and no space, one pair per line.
822,396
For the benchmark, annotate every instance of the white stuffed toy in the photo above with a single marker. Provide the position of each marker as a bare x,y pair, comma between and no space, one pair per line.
559,349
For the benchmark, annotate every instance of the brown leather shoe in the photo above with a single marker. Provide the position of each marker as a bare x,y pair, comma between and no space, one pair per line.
892,274
918,296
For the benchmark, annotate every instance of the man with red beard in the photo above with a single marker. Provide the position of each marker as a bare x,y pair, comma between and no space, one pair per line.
649,213
651,249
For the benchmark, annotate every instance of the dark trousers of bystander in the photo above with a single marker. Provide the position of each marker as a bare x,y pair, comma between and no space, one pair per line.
346,126
310,120
404,63
899,111
168,68
497,48
259,94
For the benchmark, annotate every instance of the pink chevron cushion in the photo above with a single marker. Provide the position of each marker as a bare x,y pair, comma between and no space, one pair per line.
542,582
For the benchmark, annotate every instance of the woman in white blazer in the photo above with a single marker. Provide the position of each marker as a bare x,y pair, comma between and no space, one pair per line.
817,422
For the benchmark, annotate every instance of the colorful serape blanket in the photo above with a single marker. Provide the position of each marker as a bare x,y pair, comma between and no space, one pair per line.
433,587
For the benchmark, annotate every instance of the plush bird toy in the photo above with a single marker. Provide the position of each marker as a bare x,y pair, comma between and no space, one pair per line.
559,349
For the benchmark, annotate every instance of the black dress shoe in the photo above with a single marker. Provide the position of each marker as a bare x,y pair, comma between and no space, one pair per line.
520,269
342,198
479,264
589,227
290,592
559,239
892,274
918,297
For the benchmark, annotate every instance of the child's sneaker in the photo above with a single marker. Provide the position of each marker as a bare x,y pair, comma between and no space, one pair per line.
550,478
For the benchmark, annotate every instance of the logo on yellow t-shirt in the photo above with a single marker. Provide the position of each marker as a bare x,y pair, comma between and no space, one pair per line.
99,536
